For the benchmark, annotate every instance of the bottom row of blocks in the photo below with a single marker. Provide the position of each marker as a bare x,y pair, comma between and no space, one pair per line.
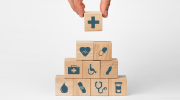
91,87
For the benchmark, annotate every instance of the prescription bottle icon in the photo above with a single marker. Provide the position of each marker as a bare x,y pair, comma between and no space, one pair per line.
118,87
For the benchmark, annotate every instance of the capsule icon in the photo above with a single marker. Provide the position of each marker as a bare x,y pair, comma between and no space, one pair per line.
101,52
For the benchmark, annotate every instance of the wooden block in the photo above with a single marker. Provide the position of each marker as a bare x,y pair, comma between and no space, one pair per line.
73,68
99,87
93,21
102,50
118,87
81,87
84,50
109,69
91,69
63,87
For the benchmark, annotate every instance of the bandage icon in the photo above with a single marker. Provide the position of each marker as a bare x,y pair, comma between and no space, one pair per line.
82,88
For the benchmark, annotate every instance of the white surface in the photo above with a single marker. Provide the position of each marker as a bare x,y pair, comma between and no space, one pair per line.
36,36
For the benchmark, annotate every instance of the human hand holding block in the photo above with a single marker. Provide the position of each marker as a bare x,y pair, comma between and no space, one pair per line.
78,7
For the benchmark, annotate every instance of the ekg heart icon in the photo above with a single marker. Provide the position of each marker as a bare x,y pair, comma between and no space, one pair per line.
85,50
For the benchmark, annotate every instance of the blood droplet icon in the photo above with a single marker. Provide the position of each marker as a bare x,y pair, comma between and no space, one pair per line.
64,88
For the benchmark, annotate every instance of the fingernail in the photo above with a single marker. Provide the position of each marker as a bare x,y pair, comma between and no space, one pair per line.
79,14
106,13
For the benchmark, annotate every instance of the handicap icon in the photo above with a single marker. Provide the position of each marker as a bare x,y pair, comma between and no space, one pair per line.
90,70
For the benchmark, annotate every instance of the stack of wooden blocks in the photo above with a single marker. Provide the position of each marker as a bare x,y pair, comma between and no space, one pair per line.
92,73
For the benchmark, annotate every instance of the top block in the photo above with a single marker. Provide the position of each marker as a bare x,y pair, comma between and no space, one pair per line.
93,21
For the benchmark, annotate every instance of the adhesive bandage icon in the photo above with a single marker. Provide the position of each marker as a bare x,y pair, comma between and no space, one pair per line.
82,88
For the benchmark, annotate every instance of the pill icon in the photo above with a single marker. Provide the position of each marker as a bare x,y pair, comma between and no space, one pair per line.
82,88
101,52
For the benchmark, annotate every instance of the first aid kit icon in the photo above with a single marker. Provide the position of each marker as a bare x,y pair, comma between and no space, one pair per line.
73,69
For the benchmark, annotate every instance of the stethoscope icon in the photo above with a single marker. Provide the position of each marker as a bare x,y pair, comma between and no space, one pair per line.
105,88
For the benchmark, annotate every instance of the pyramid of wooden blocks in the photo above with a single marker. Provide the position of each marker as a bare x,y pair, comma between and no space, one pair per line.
92,73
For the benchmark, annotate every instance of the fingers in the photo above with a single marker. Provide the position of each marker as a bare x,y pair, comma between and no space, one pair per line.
104,6
71,2
79,7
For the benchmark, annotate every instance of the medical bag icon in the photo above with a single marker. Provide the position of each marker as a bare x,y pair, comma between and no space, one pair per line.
73,69
118,87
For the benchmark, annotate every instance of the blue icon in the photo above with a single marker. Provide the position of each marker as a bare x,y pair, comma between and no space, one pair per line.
85,50
105,88
101,52
73,69
82,88
91,69
93,22
118,87
109,70
64,88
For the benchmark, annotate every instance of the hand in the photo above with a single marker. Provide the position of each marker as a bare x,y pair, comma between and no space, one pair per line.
78,7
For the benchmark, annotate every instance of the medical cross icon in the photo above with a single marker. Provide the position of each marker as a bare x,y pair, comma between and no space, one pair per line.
93,22
73,70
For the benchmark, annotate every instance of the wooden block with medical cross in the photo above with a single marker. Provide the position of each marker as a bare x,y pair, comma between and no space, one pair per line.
93,21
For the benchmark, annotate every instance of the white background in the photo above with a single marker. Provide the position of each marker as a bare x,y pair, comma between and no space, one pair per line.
36,36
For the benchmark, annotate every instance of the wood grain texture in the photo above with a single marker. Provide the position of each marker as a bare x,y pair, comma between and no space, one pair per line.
68,63
86,85
95,65
79,55
98,46
105,66
87,17
59,81
112,87
94,90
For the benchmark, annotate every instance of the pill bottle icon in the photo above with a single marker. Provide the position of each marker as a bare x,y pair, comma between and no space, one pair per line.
118,87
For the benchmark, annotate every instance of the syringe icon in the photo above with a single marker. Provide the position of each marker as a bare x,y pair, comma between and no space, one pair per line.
109,69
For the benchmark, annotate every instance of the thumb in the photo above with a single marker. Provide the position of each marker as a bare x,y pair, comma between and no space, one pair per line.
104,6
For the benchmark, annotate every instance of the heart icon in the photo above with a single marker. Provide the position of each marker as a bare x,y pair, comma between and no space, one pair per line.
85,50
